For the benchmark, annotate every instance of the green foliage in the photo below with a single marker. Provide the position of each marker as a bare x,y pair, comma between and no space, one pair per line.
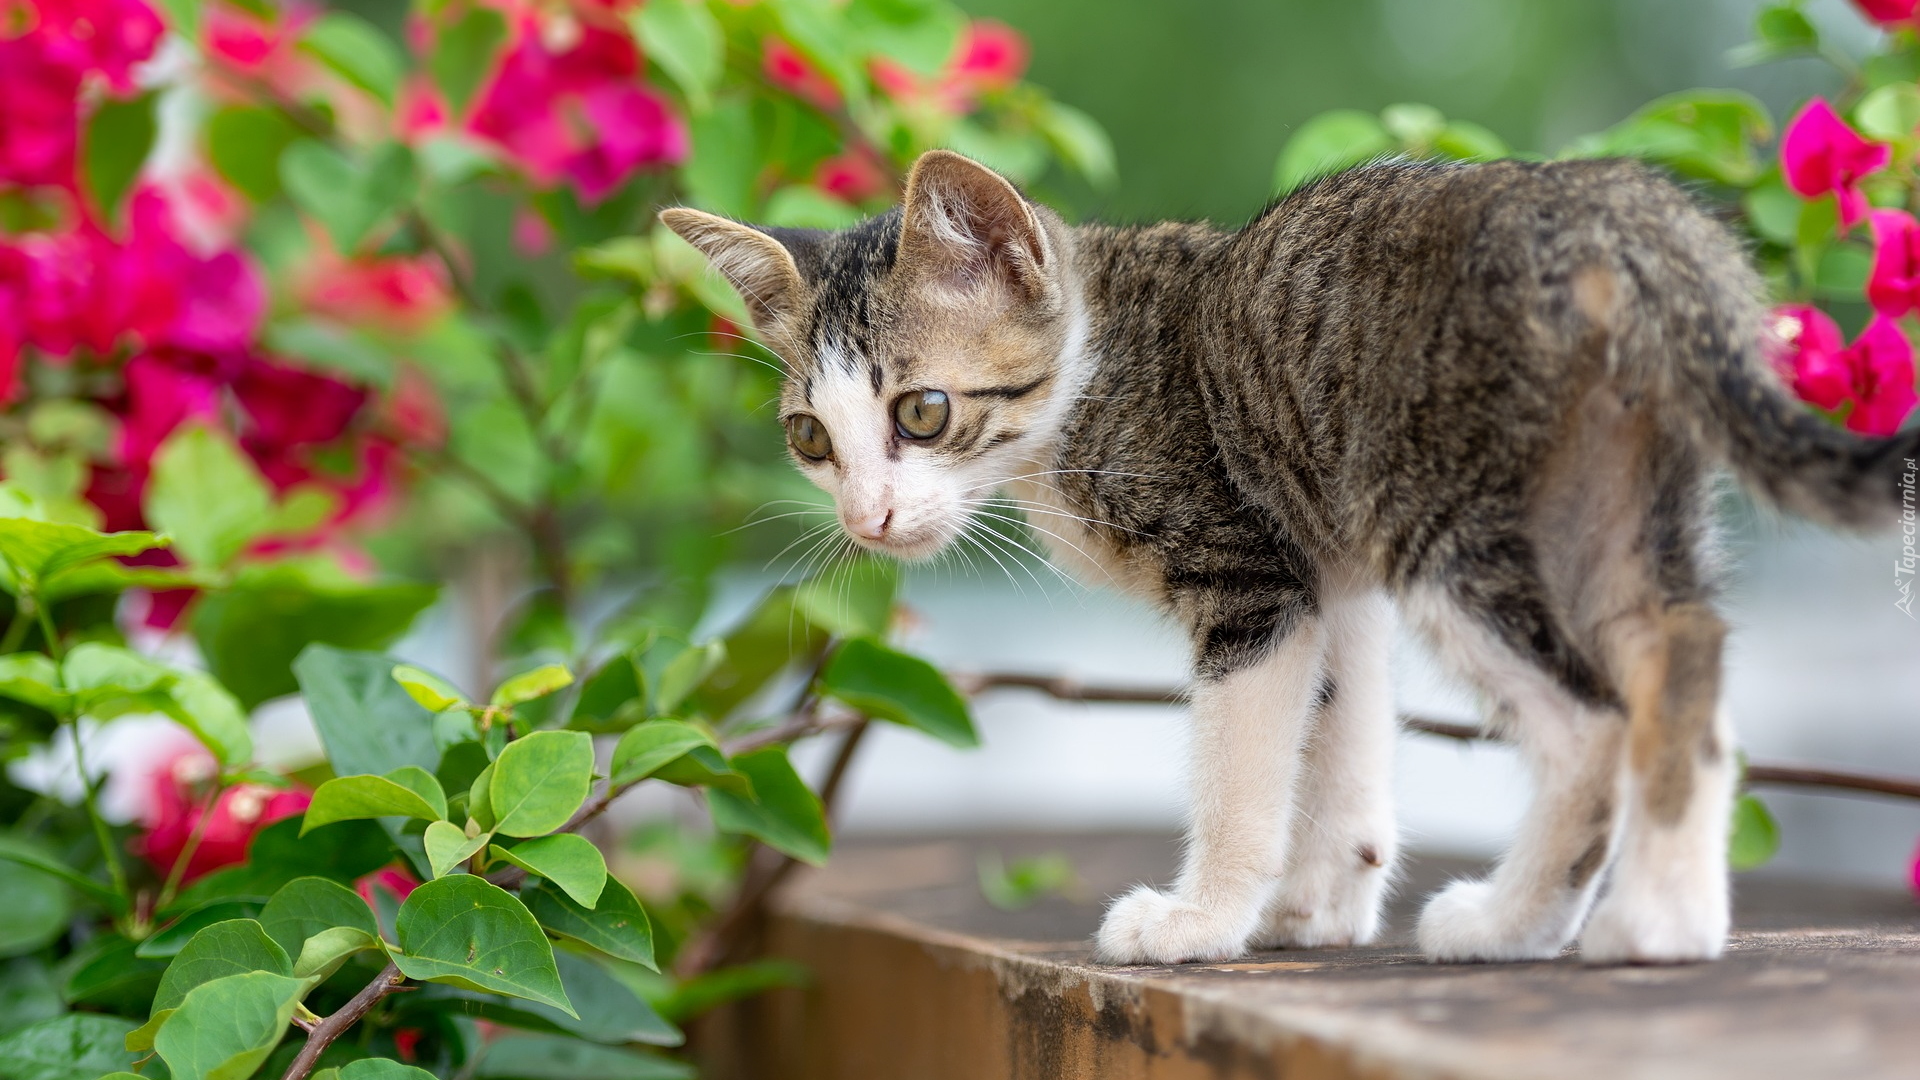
539,781
409,791
1013,885
782,811
890,685
119,136
1755,836
467,933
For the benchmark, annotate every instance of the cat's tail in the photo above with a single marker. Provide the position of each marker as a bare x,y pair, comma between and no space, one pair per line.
1740,407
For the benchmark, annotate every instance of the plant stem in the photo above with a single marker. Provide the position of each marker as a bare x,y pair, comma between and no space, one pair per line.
336,1025
101,834
178,870
16,628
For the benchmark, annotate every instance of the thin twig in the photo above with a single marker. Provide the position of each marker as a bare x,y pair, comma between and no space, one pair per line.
1767,773
336,1024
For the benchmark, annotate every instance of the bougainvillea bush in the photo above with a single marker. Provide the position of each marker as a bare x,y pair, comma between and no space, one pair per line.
1827,201
303,316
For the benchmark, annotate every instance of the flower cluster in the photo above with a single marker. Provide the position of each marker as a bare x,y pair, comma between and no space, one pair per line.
1872,379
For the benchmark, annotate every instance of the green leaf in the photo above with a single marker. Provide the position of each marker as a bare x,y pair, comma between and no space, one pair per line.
38,550
167,943
323,953
855,601
1081,142
480,799
343,852
28,994
1891,112
1328,143
119,136
447,846
34,679
463,54
684,673
725,165
35,906
784,812
893,686
705,766
1707,134
610,1012
529,685
367,723
1773,211
611,698
205,708
244,144
93,671
408,791
226,948
1414,124
1011,886
1780,31
346,197
567,860
382,1069
617,925
107,973
434,693
252,630
207,496
1755,835
684,38
802,206
183,17
648,747
356,52
818,30
226,1028
553,1057
461,930
1464,141
539,781
78,1046
921,34
308,906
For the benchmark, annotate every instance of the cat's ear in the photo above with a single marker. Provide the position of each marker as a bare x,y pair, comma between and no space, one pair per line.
759,267
966,228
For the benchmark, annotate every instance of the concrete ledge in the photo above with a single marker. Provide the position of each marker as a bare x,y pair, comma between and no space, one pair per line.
918,978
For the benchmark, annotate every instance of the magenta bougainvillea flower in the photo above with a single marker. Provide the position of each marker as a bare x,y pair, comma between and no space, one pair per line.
107,36
852,177
578,111
1874,375
1820,154
40,123
174,809
1893,287
1888,12
787,69
991,56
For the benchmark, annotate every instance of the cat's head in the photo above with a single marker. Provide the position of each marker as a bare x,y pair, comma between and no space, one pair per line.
930,352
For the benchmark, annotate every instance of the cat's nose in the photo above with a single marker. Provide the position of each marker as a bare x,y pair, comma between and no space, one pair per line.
872,528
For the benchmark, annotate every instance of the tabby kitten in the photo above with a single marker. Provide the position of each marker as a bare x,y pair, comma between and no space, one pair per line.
1490,395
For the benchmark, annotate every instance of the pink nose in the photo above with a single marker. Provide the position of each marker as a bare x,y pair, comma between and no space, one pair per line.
872,528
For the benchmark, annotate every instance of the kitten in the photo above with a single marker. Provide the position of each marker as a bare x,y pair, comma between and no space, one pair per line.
1490,395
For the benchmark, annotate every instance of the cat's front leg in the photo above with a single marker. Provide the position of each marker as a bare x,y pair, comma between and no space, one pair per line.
1249,721
1344,844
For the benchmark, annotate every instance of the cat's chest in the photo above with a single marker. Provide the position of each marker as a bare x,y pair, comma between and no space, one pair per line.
1084,550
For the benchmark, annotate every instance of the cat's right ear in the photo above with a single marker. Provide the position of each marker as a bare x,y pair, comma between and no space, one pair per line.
760,268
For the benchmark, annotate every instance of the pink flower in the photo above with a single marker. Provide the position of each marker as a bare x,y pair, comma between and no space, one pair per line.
290,408
421,110
223,300
411,410
852,177
785,68
991,56
240,39
176,802
402,294
532,236
39,113
1821,154
1913,872
393,881
1888,12
579,112
162,394
1875,374
1894,285
13,318
108,36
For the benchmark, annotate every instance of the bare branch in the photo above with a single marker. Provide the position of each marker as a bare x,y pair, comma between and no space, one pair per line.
332,1027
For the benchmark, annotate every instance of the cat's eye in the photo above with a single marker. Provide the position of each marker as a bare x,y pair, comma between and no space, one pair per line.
809,436
921,414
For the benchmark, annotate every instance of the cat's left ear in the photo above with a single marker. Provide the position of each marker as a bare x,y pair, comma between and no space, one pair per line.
967,229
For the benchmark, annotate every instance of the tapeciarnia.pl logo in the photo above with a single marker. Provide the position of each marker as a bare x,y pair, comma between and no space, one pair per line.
1909,560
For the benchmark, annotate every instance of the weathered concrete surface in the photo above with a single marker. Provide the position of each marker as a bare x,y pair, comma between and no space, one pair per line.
918,978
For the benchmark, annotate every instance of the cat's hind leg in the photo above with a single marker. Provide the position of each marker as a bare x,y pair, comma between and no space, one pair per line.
1532,905
1344,848
1668,900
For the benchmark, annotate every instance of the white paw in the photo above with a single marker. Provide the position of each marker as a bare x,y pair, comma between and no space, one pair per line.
1675,929
1335,918
1464,921
1147,926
